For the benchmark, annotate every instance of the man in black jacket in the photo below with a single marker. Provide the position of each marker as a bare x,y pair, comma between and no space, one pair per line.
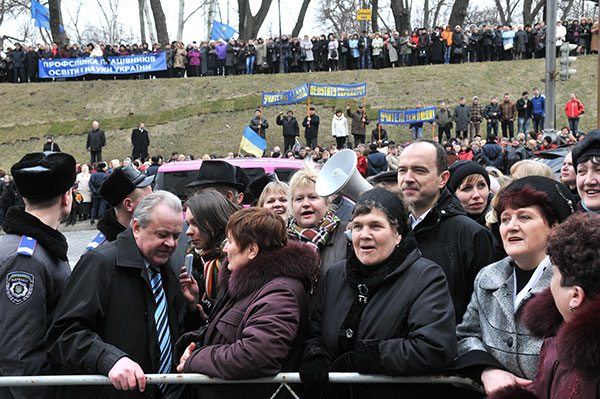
492,114
140,141
524,107
50,145
95,141
122,309
444,233
34,267
311,132
290,129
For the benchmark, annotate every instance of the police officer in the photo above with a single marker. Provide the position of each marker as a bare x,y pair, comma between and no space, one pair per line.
33,266
123,190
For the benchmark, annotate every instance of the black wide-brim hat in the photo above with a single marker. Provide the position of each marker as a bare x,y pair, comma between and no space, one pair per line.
590,145
216,172
122,181
44,175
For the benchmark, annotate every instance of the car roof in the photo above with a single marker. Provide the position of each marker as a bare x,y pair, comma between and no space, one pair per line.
266,163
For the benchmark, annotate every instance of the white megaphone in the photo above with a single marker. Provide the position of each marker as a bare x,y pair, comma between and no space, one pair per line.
340,175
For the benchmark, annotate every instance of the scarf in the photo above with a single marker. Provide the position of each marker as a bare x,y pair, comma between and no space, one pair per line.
316,236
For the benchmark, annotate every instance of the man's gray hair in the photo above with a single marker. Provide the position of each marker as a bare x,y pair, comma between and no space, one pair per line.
143,211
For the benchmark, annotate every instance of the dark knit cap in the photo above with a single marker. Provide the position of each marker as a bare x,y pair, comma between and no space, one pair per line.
461,169
390,203
42,176
561,198
590,145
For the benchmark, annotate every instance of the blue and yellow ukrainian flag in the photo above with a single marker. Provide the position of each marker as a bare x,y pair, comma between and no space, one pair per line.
252,143
222,31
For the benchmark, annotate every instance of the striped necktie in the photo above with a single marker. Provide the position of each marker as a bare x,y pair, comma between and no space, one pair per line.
161,319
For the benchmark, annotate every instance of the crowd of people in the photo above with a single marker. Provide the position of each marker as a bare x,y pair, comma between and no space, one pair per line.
345,51
444,266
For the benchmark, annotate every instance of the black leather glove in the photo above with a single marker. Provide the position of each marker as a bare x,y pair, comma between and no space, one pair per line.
345,363
186,339
314,374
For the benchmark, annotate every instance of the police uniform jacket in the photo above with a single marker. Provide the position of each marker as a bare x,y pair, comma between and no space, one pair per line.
107,312
33,273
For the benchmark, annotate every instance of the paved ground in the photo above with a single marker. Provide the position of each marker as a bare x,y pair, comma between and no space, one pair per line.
78,240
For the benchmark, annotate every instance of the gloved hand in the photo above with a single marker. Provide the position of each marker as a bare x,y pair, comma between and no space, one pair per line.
186,339
314,374
345,363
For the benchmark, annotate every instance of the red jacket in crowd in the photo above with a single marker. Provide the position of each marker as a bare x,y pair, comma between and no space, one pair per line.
573,108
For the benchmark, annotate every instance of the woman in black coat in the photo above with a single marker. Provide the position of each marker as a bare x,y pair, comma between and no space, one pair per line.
384,310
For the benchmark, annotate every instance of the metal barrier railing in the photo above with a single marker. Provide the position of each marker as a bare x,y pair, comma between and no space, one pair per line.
282,378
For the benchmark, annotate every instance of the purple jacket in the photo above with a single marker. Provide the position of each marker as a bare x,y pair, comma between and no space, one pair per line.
260,328
194,56
221,51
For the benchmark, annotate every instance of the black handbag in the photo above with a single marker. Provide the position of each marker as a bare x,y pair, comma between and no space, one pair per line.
333,54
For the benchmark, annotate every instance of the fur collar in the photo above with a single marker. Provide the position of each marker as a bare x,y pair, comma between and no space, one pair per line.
296,260
19,222
110,226
578,340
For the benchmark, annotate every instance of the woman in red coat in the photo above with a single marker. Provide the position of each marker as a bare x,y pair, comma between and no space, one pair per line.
567,314
573,109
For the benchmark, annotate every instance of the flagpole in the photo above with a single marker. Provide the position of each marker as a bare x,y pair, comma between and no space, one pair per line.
260,119
379,128
364,108
308,110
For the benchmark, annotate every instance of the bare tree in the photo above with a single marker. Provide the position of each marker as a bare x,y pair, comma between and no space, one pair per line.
506,10
401,12
56,22
180,20
566,8
458,13
339,15
75,17
300,20
531,11
141,6
149,21
160,21
374,14
437,11
109,8
482,16
11,9
249,24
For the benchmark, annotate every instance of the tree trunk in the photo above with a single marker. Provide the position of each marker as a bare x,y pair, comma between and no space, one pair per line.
426,14
160,21
300,21
459,12
401,13
374,12
501,12
149,21
567,10
141,4
58,37
180,21
529,14
436,14
249,24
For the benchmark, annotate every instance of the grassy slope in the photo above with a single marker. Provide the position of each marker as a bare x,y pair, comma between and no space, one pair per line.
205,115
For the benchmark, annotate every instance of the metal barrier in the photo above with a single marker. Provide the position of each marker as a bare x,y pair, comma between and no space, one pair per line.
282,378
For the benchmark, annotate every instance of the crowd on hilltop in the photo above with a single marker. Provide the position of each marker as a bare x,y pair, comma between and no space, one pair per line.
346,51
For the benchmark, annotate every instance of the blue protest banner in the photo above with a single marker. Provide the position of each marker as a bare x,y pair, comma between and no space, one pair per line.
318,90
408,116
62,68
290,97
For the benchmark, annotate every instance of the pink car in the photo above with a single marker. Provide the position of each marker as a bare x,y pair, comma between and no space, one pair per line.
174,176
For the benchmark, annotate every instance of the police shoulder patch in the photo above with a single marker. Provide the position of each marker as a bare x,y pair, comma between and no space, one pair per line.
19,286
26,246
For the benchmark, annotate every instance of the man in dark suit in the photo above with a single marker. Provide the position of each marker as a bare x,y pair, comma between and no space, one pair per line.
140,141
95,141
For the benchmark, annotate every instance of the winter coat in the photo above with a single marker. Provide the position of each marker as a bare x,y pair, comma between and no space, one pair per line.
462,115
413,337
465,155
492,333
377,135
509,111
492,112
332,46
261,53
390,45
290,125
492,155
443,118
221,51
96,180
569,365
522,111
512,155
140,140
538,105
27,315
18,58
82,181
377,45
96,139
230,57
520,41
353,46
179,58
459,245
357,125
573,108
306,46
260,324
254,122
475,113
404,48
311,128
376,163
339,126
195,57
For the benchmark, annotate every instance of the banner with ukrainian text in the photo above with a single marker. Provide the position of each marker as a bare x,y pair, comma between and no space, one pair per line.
408,116
290,97
318,90
68,67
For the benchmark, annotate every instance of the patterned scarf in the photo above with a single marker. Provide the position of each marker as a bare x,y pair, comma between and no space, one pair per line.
316,236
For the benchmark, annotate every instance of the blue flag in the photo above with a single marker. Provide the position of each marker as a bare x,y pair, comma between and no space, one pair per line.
252,143
222,31
41,15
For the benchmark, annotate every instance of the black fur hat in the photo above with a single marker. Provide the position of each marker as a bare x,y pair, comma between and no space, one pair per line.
41,176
